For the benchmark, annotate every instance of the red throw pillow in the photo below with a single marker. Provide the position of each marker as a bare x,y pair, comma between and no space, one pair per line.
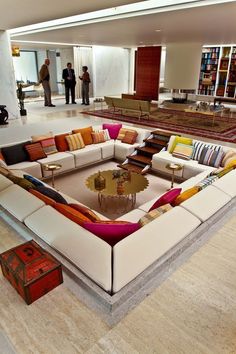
111,232
61,142
130,137
35,151
166,198
85,211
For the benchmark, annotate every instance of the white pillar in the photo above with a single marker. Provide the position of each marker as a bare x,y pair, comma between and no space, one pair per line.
8,95
182,69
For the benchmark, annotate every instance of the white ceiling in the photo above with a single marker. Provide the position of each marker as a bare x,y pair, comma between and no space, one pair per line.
214,24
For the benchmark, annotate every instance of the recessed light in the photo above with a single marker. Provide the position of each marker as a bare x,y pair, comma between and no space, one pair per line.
158,30
140,42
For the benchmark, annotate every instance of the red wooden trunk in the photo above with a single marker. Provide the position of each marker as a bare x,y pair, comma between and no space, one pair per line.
31,270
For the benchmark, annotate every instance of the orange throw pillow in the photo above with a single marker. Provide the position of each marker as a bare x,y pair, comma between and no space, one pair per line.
44,198
185,195
61,142
35,151
71,213
86,134
130,137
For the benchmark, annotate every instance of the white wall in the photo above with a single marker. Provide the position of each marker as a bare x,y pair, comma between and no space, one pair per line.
25,66
111,70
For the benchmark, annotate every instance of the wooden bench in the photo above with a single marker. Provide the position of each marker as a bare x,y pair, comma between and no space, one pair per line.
224,99
126,104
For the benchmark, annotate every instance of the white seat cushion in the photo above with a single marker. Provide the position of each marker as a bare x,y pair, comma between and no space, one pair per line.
65,159
88,252
227,183
5,182
107,149
135,253
32,168
132,216
86,156
122,150
206,203
19,202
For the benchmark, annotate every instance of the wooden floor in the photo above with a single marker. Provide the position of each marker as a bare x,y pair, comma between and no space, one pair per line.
193,311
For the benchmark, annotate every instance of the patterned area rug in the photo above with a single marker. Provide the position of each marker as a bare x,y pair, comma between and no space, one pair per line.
196,124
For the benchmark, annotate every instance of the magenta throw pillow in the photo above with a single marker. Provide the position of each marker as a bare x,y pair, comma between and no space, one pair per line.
166,198
113,129
111,233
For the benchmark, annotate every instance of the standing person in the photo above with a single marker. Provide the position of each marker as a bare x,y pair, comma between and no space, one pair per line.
68,75
85,85
44,78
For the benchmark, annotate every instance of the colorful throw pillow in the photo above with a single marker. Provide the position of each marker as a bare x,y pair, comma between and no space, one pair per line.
185,195
85,211
49,146
71,213
111,232
36,138
75,141
166,198
98,137
183,151
210,157
43,197
35,151
61,142
199,146
51,193
179,140
36,182
15,153
130,137
113,129
105,133
224,171
22,182
207,182
229,156
154,214
86,134
122,132
232,164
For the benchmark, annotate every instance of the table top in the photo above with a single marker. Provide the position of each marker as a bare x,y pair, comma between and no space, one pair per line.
174,166
128,182
52,166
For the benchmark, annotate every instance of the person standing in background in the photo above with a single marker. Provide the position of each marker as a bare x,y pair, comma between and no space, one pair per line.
44,78
85,78
68,75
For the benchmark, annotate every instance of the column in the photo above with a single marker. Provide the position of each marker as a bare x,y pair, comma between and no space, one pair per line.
8,95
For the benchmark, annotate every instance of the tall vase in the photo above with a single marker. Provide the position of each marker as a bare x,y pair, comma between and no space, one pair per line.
99,182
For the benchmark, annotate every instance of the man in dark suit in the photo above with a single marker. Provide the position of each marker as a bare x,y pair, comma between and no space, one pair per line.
68,75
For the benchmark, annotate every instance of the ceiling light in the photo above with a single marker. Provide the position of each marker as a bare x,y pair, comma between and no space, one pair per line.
158,30
49,43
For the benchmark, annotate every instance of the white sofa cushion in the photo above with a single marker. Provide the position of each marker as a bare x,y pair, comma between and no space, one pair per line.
86,156
133,254
132,216
88,252
206,202
122,150
107,149
5,182
65,159
26,202
32,168
227,183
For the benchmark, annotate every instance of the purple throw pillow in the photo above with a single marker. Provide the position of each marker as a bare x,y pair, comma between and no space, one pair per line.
111,233
113,129
166,198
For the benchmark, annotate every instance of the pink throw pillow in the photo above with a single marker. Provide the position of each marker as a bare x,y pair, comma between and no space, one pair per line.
113,129
166,198
111,233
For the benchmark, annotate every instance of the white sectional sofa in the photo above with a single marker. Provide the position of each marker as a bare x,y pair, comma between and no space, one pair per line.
113,268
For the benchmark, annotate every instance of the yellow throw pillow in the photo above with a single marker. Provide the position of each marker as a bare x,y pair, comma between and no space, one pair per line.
180,140
75,141
154,214
185,195
232,163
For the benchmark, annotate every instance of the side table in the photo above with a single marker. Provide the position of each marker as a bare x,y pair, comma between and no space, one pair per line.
173,167
52,167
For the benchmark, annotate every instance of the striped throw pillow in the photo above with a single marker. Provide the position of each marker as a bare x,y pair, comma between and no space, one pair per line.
49,146
183,151
105,132
122,132
130,137
207,182
35,151
98,137
154,214
75,141
199,146
210,157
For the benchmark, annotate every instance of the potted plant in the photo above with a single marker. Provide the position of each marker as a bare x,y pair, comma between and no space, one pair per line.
21,98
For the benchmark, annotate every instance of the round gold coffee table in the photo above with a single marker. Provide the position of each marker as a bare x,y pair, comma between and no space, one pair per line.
52,167
118,184
173,167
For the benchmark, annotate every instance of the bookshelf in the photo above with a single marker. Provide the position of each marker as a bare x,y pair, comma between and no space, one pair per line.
208,73
231,83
